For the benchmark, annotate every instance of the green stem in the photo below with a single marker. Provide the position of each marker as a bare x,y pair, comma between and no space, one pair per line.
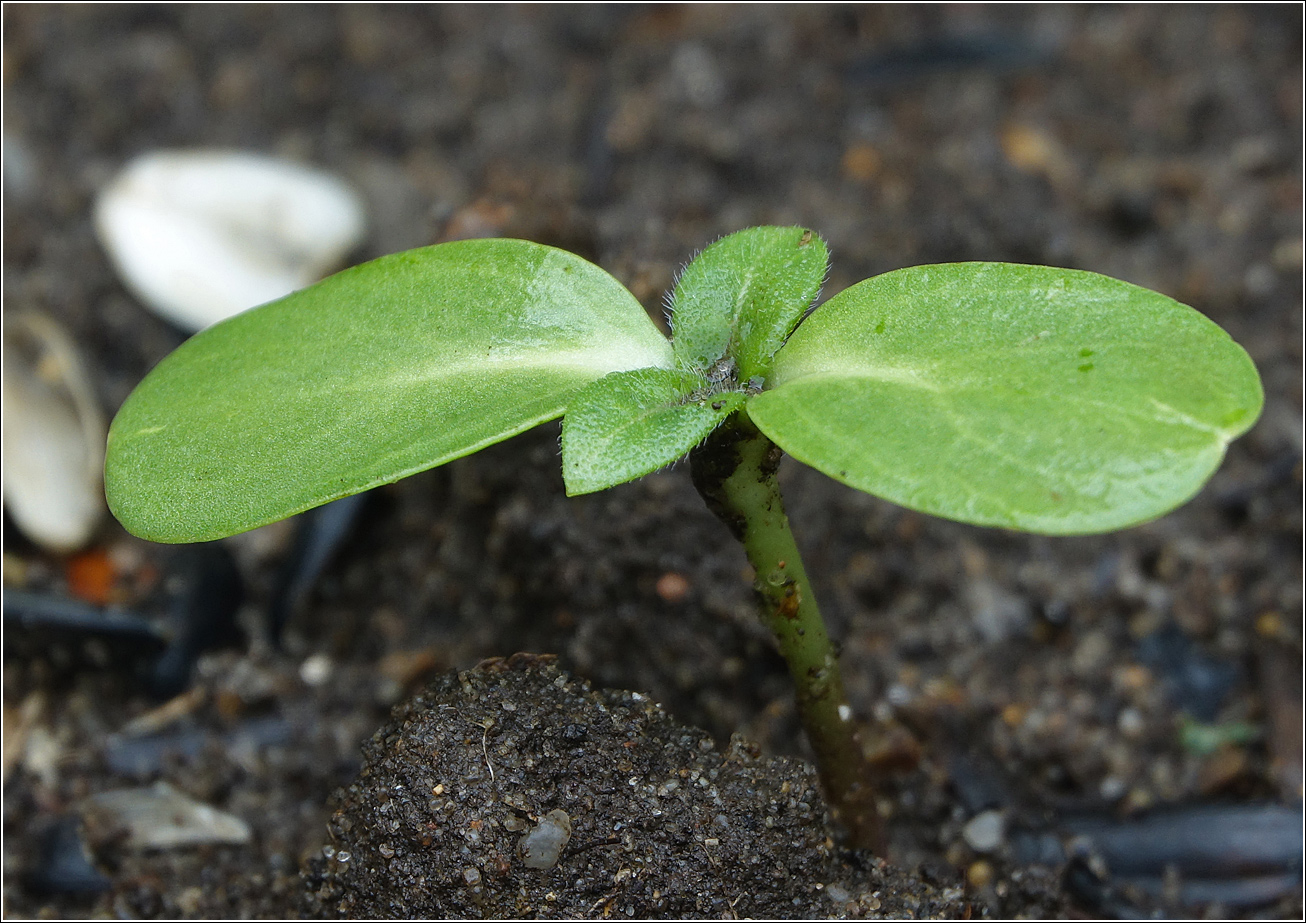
735,472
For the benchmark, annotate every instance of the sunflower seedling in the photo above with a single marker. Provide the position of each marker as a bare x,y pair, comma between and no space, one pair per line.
1032,398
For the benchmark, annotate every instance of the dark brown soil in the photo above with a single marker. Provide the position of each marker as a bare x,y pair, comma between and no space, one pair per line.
660,823
1044,679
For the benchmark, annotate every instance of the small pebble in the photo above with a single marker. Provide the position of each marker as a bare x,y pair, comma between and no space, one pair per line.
1033,150
190,900
986,831
1222,769
1090,653
1133,678
315,670
1112,787
861,162
541,847
1270,625
1287,255
836,893
980,874
673,587
1130,722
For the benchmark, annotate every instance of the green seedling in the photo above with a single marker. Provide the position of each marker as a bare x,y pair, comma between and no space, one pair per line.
1025,397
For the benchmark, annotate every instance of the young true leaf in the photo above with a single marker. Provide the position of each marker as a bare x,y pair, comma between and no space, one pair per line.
743,295
373,374
628,424
1046,400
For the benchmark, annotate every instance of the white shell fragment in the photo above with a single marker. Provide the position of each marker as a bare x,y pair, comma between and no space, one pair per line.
54,433
201,235
541,847
160,817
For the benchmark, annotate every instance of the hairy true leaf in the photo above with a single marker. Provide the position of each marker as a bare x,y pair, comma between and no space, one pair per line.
1040,399
373,374
743,295
629,424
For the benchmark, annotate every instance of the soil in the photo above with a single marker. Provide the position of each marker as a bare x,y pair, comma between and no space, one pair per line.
1009,684
661,823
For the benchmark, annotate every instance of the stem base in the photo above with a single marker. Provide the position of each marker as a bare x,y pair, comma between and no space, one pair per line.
735,472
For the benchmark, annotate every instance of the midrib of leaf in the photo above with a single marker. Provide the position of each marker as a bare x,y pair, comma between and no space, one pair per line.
915,377
460,371
1170,415
912,376
1044,476
1175,415
476,366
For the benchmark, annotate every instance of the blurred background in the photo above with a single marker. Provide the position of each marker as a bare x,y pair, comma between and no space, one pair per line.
1021,678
